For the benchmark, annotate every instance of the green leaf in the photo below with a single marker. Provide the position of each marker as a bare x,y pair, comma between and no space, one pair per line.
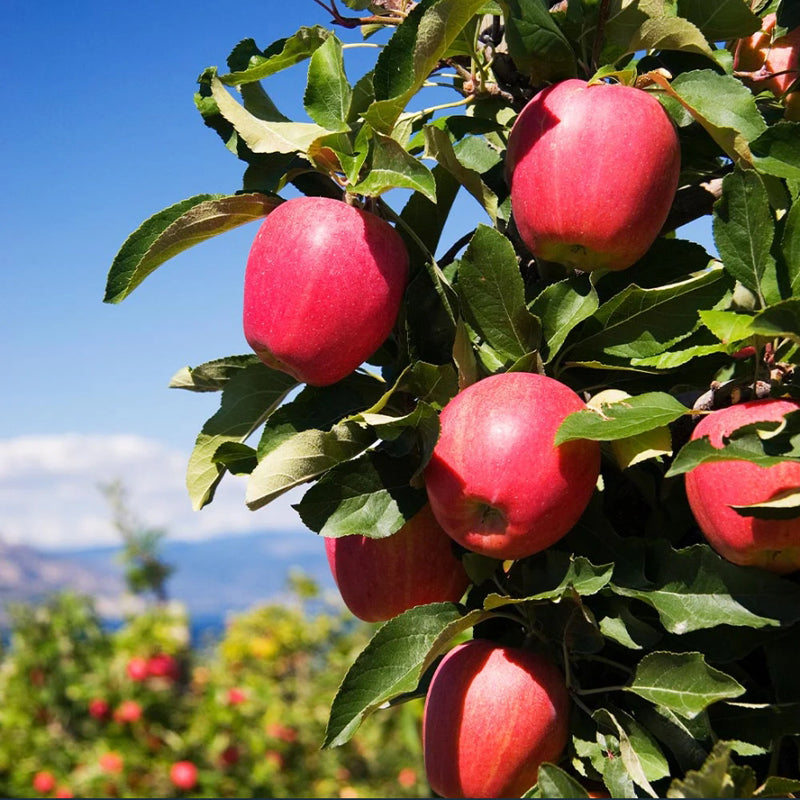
561,307
784,505
723,105
776,786
777,150
718,777
303,457
640,323
392,167
412,53
744,230
369,496
176,229
722,20
621,419
393,663
213,375
248,398
554,782
493,297
790,247
264,136
682,682
695,589
728,326
779,320
536,43
278,56
670,33
328,94
439,146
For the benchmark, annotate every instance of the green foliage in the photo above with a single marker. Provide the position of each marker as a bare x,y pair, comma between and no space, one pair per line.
249,712
669,650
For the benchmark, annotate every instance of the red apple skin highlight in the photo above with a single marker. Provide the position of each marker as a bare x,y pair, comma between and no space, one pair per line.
492,716
593,172
496,482
773,544
381,578
323,288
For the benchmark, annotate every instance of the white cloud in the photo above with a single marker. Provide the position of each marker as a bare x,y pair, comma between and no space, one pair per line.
50,496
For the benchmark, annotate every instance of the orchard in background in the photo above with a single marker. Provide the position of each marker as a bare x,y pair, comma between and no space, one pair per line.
531,165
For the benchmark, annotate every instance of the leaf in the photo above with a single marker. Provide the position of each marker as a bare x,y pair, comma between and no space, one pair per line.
213,375
784,505
722,105
779,320
619,420
393,663
392,167
561,307
682,682
716,778
744,230
278,56
720,21
176,229
263,136
412,53
554,782
790,247
777,150
695,589
248,398
493,297
670,33
535,42
776,786
369,496
728,326
328,94
303,457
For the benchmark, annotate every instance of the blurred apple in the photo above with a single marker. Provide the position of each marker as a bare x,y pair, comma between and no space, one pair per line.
44,782
137,668
183,775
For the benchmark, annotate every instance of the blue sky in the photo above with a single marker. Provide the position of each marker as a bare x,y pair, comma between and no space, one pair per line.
100,131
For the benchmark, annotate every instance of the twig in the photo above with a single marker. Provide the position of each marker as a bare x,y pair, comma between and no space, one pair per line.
601,31
356,22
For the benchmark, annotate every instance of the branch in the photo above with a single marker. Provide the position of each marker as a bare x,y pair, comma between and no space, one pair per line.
356,22
692,202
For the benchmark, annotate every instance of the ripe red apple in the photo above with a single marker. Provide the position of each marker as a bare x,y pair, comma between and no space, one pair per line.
183,775
380,578
712,489
44,782
323,288
593,171
137,668
163,665
63,791
492,716
229,756
236,696
496,482
111,762
99,708
128,711
772,65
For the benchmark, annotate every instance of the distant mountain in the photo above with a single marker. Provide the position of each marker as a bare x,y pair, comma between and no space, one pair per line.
212,577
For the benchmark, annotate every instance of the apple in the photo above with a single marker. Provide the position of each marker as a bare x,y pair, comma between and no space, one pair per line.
229,756
99,708
63,791
183,775
111,762
163,665
137,668
712,488
593,170
380,578
44,782
771,65
128,711
323,287
236,696
492,715
496,482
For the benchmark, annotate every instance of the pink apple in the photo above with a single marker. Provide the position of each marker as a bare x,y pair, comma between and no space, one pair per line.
163,665
496,482
593,171
712,489
236,696
323,288
380,578
183,775
44,782
772,65
137,668
99,708
492,716
128,711
111,762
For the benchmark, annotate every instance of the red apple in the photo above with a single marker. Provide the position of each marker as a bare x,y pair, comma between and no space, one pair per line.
128,711
593,171
771,65
111,762
492,716
137,668
229,756
183,775
99,708
236,696
381,578
44,782
496,482
712,489
323,288
63,791
163,665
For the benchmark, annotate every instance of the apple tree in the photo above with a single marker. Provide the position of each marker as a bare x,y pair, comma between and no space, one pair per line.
471,292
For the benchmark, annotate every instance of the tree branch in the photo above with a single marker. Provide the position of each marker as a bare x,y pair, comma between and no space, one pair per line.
692,202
